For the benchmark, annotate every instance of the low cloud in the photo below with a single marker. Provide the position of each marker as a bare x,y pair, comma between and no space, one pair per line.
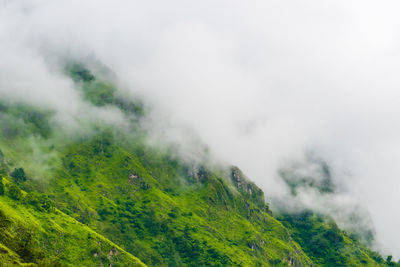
259,83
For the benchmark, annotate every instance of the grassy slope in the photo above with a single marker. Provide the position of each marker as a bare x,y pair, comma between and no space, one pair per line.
113,193
163,215
162,211
53,239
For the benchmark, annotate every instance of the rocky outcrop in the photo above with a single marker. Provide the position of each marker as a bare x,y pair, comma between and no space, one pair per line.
247,188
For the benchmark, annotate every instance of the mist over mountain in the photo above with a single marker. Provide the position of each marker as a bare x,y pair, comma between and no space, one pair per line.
301,96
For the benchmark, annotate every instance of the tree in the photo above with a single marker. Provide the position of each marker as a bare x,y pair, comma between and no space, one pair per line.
19,175
1,186
14,192
3,166
389,260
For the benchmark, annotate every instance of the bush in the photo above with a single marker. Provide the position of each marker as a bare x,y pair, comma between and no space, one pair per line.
40,201
1,186
19,175
14,192
3,165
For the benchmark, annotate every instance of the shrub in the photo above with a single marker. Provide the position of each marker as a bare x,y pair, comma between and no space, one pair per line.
19,175
1,186
39,201
3,165
14,192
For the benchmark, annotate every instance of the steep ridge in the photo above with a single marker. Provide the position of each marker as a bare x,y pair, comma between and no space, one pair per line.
105,197
51,238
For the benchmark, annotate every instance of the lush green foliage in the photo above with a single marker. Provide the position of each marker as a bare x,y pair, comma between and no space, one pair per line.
52,239
14,192
98,199
325,243
100,92
1,186
19,175
166,212
40,201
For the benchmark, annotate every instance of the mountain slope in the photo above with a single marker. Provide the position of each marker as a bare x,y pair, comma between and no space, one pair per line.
51,238
156,208
103,196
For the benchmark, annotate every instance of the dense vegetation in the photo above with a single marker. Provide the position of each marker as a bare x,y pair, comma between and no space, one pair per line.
326,244
104,197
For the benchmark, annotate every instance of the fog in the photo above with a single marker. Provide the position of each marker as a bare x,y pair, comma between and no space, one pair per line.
260,83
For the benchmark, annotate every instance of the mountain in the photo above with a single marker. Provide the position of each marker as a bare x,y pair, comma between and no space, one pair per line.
103,196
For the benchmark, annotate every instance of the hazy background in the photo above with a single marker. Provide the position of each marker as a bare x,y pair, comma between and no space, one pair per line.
260,82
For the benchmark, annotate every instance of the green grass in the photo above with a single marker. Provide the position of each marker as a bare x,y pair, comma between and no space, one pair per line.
103,197
55,238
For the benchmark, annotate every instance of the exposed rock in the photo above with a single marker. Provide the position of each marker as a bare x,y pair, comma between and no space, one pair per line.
246,187
198,174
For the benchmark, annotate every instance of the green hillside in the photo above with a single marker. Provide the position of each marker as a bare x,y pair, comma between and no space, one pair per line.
103,197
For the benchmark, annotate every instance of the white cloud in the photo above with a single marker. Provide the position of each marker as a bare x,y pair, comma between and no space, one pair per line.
259,82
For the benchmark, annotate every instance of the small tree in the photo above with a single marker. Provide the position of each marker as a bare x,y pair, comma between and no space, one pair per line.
389,260
3,165
1,186
14,192
19,175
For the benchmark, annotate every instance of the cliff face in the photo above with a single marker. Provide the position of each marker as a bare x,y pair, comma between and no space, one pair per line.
247,188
